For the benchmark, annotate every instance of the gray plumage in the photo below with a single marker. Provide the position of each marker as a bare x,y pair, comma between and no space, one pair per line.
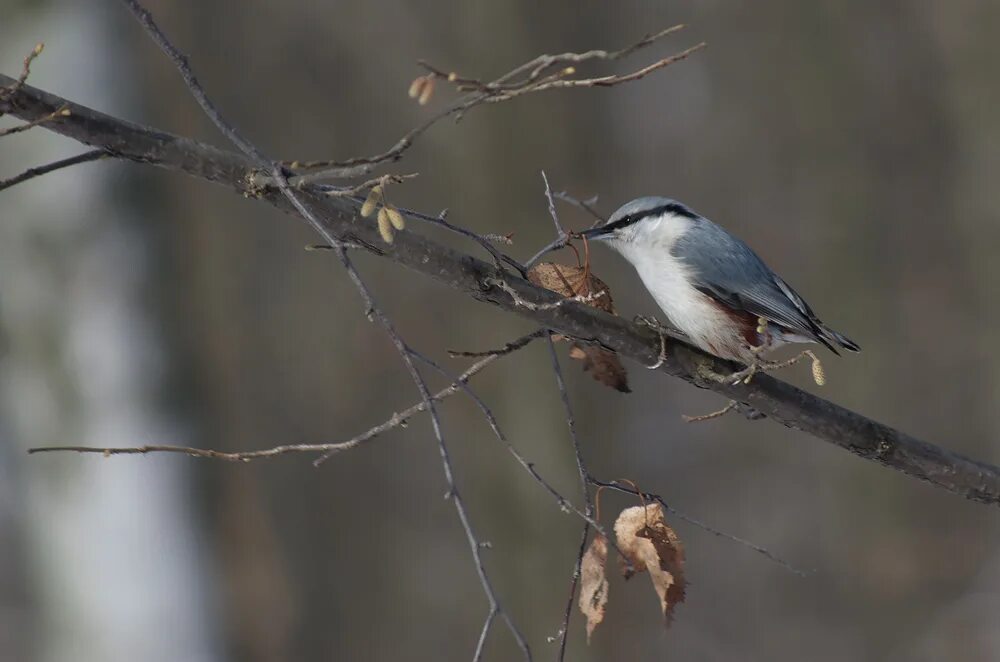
675,249
732,273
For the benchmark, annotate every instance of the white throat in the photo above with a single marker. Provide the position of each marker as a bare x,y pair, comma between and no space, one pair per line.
668,279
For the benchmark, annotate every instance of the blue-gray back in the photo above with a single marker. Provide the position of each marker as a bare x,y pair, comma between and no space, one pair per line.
728,270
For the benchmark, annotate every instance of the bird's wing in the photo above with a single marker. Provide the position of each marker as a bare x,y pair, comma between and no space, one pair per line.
729,271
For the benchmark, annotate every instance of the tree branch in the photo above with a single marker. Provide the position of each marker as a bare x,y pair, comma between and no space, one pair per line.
780,401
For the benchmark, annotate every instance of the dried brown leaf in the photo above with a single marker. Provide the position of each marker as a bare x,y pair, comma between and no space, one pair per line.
603,364
651,545
594,583
573,281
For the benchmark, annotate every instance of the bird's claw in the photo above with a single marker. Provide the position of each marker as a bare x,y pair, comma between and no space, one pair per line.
760,365
654,324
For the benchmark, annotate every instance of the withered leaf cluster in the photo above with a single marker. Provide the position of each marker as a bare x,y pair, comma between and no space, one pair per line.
649,545
569,281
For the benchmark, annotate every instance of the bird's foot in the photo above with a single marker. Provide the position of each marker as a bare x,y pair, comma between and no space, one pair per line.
655,325
760,365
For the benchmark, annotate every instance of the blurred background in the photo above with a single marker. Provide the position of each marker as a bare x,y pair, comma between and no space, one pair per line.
856,146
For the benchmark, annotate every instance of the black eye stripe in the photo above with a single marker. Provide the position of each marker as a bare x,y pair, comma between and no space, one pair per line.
672,207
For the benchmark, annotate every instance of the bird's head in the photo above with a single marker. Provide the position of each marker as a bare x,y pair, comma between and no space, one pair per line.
648,223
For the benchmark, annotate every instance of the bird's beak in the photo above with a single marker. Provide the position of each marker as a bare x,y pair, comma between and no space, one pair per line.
597,234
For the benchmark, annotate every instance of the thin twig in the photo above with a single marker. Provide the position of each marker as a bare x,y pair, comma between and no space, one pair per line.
586,205
38,171
562,237
396,420
552,207
521,301
12,89
585,488
351,191
502,89
194,87
565,504
506,349
731,405
56,114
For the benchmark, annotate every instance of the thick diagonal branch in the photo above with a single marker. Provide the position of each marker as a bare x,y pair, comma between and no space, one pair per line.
780,401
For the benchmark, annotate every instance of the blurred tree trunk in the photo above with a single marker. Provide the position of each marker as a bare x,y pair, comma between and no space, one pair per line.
108,552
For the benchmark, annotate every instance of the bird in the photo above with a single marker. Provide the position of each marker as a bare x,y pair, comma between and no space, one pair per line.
710,284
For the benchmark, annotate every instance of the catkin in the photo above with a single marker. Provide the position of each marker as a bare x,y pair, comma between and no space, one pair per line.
417,86
427,91
819,376
374,197
395,217
384,225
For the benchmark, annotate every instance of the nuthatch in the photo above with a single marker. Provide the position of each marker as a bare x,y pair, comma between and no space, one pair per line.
710,284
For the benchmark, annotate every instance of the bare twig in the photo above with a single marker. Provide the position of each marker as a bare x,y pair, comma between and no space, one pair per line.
9,90
499,258
56,114
506,349
38,171
555,82
562,237
396,420
585,488
351,191
586,205
528,466
530,305
711,415
524,79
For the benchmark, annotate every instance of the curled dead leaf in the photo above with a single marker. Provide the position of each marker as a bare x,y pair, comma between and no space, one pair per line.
651,545
603,364
594,583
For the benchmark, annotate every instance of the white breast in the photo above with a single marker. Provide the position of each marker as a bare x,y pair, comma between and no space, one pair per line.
667,280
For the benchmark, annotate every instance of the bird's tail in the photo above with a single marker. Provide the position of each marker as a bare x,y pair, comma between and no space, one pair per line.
829,337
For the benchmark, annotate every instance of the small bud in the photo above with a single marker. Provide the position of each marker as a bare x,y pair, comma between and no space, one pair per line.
384,225
294,165
426,92
39,47
395,217
569,71
65,112
452,77
417,86
374,197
